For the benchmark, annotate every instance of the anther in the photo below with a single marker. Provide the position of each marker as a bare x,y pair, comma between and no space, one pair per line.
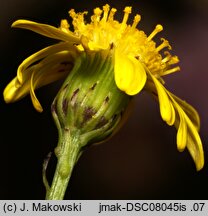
173,60
157,29
72,13
97,11
111,14
106,9
167,57
96,17
127,11
137,19
64,26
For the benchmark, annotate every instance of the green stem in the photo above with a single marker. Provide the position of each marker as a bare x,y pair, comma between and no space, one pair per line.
67,153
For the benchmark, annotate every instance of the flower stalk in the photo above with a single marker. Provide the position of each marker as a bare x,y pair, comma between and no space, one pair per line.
67,153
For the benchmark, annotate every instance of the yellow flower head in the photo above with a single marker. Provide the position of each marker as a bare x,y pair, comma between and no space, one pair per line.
138,64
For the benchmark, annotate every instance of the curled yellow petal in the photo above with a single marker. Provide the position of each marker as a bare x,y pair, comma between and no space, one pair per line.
14,91
130,75
34,99
46,30
186,122
22,74
166,108
189,110
194,145
50,69
182,129
188,131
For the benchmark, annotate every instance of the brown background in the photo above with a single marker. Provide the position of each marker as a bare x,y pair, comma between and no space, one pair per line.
141,161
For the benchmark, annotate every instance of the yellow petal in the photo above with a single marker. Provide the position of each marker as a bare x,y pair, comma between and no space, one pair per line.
49,70
182,136
186,121
46,30
189,110
14,91
189,131
182,130
22,74
194,145
130,75
44,72
34,99
166,108
41,80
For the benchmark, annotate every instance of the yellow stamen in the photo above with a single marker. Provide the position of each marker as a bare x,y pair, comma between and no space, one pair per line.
96,17
167,58
106,9
78,19
64,26
157,29
164,44
173,60
127,11
80,16
137,19
111,14
72,13
172,70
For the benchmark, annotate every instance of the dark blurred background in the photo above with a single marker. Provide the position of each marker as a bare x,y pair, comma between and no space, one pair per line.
141,161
